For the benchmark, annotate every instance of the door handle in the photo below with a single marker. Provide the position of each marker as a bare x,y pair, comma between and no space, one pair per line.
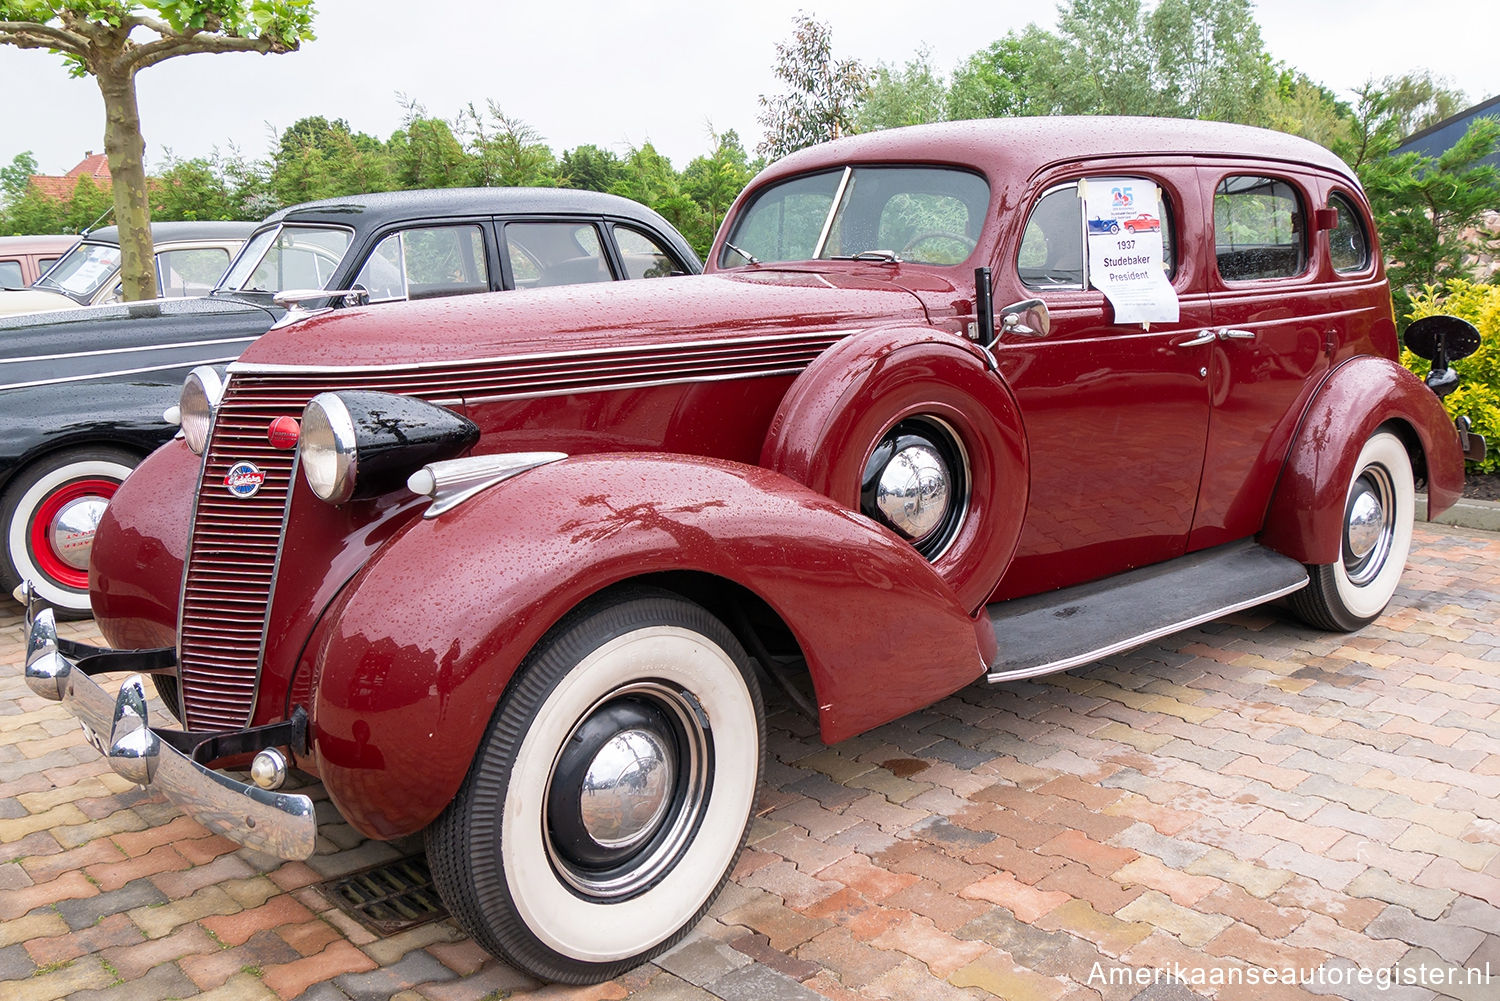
1230,334
1205,337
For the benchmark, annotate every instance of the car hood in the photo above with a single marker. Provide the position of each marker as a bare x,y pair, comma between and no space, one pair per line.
589,317
150,341
14,302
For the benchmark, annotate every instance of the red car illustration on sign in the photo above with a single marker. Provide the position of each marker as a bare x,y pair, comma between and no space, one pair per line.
1143,223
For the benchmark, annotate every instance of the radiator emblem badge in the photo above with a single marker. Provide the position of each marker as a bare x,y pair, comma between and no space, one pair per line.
244,479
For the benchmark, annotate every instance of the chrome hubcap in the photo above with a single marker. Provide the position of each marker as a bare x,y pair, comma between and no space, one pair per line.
72,530
626,789
917,482
1369,525
913,490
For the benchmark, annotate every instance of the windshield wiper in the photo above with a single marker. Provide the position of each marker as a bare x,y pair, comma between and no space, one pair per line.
747,256
883,256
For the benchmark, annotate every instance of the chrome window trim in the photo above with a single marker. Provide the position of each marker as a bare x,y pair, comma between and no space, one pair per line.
833,210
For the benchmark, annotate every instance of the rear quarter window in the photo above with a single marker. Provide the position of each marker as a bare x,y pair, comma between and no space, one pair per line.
1348,243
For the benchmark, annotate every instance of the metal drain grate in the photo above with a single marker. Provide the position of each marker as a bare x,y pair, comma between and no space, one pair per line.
389,897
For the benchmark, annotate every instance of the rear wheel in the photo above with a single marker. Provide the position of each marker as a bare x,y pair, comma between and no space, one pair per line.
1379,508
612,794
50,512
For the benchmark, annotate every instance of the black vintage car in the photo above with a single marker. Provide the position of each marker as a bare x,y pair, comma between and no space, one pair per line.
82,392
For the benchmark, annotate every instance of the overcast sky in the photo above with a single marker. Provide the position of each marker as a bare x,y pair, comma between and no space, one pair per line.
618,74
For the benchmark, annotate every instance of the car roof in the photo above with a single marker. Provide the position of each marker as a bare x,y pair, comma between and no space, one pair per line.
1027,145
162,232
381,207
38,244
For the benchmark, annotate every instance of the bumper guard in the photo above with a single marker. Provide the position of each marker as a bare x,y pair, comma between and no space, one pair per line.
279,824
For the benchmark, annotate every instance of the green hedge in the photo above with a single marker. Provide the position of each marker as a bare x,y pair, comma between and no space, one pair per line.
1478,394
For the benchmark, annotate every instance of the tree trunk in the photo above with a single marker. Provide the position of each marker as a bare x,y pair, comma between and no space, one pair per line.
127,167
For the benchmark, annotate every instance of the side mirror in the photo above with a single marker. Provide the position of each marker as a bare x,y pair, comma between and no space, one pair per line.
1028,318
1442,340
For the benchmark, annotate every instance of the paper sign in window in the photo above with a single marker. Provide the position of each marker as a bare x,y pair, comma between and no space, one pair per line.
1123,220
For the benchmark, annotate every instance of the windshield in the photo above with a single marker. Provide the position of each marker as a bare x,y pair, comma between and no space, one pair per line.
83,270
287,257
926,215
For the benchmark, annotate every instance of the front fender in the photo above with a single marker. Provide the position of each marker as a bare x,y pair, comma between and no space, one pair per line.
417,651
1306,516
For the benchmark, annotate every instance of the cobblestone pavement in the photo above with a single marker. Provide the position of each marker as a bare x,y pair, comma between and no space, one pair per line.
1246,795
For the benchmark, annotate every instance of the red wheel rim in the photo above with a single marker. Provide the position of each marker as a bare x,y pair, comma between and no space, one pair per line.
40,535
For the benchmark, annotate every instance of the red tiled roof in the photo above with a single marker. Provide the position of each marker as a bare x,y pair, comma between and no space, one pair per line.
94,166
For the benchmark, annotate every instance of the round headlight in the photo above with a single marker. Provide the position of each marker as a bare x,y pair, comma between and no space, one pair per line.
329,457
201,392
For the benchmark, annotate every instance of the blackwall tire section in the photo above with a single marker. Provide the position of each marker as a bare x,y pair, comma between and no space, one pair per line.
612,794
48,512
1379,509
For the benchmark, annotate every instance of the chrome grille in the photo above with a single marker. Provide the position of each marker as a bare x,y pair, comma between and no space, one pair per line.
231,566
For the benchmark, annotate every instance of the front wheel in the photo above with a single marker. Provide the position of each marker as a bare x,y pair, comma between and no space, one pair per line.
1379,508
610,798
50,512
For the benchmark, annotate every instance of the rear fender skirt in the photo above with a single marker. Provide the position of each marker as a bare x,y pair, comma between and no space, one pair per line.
1306,516
416,652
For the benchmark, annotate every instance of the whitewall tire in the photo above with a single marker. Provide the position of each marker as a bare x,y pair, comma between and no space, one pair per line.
1379,509
611,797
50,510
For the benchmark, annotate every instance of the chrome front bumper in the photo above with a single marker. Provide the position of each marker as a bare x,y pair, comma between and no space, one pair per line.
280,824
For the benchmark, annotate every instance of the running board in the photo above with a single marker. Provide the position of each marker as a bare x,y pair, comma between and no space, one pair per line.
1052,632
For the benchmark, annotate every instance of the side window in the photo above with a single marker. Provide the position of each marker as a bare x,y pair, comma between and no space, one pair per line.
191,272
427,263
555,253
1348,245
1051,254
1258,229
643,256
1052,246
10,274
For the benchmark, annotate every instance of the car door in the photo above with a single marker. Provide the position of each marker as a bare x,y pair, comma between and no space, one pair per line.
1274,314
1116,415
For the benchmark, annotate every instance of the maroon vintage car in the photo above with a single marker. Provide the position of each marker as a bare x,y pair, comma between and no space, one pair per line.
513,570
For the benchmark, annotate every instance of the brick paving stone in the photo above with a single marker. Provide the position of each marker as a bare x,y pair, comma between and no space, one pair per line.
756,982
1448,938
1191,927
166,981
115,930
702,961
416,967
292,979
133,961
1427,901
259,952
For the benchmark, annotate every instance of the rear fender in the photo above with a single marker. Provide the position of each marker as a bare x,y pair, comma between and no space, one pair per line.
414,655
1306,516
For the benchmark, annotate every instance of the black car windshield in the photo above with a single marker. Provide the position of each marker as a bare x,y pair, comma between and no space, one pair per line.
83,270
926,215
287,257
